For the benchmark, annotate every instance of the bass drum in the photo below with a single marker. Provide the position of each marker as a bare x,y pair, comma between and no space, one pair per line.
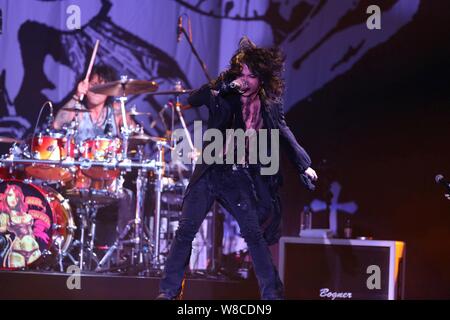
36,225
11,173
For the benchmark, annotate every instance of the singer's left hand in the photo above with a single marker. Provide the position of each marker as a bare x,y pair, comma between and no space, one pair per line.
311,174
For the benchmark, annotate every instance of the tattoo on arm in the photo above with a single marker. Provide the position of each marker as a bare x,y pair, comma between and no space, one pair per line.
63,117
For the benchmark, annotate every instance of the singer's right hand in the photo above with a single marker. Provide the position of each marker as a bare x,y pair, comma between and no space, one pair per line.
241,83
82,87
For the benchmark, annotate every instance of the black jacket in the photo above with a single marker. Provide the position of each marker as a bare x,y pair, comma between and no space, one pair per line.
225,112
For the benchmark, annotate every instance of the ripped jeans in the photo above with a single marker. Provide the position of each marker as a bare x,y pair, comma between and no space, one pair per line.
233,189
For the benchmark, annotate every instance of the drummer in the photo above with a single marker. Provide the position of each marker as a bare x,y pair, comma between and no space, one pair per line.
104,119
105,116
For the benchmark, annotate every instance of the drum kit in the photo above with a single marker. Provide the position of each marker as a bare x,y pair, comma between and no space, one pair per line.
52,187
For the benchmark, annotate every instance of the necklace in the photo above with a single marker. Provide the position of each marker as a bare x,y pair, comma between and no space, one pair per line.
100,118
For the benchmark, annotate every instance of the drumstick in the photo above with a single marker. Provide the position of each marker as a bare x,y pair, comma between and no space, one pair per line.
91,64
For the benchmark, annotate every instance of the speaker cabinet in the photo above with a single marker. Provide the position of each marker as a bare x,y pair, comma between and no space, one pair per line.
332,269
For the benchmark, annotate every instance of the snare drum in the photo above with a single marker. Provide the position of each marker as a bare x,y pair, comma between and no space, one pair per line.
51,146
35,223
101,149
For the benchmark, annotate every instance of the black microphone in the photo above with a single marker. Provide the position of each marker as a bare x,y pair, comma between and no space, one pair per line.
233,86
180,28
1,20
441,180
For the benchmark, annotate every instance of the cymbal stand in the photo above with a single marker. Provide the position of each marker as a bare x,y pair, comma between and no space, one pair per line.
186,131
141,186
87,214
58,241
82,239
126,132
158,190
91,212
178,87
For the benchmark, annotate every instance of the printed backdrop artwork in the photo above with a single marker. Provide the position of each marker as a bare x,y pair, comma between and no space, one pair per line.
41,59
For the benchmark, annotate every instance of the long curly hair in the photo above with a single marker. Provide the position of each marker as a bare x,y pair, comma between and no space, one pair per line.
105,73
266,63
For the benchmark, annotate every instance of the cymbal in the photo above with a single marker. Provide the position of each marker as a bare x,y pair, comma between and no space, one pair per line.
125,87
143,139
174,92
76,110
9,140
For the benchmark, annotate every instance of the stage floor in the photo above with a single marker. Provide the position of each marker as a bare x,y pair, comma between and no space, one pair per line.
46,285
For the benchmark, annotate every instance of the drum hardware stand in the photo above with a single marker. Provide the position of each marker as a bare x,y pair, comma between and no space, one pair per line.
87,213
58,241
82,236
83,164
62,255
60,258
156,263
92,218
141,184
135,227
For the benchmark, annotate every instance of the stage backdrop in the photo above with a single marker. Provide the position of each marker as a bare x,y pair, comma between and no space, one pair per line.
369,104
